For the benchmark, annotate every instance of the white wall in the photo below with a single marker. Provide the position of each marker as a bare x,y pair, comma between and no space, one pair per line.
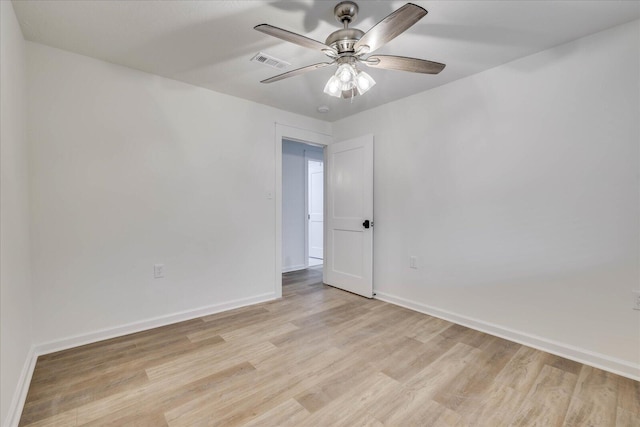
517,189
293,202
15,279
131,169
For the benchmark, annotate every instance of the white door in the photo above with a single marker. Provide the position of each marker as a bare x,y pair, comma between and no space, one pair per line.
316,210
349,220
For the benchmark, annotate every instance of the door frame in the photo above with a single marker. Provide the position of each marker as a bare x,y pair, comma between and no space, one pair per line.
304,136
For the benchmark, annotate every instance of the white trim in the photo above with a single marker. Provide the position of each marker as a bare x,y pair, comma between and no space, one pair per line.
130,328
587,357
294,268
22,388
294,134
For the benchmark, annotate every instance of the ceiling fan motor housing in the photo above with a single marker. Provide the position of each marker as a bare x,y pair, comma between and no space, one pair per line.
344,40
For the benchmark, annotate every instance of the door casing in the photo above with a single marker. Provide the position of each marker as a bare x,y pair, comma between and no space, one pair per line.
305,136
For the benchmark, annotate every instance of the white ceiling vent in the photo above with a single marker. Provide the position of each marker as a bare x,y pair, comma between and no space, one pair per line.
270,61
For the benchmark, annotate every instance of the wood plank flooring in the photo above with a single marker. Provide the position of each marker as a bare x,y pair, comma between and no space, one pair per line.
321,357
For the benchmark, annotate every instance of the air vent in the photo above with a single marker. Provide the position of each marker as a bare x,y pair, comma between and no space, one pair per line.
270,61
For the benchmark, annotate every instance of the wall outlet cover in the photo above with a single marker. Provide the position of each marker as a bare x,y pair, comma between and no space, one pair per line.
413,262
158,271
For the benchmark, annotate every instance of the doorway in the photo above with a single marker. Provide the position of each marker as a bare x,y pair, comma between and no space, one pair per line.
302,205
291,133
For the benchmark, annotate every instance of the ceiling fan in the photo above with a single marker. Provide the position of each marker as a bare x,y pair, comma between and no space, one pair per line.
348,47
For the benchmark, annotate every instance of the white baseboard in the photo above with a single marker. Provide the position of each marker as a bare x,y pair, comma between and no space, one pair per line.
601,361
17,404
293,268
587,357
118,331
20,395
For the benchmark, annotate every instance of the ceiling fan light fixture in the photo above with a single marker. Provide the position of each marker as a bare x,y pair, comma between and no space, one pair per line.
348,79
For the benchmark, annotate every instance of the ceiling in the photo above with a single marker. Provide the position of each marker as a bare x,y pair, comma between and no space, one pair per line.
210,43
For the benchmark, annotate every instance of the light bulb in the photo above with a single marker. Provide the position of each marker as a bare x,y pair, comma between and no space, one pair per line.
346,73
333,87
363,83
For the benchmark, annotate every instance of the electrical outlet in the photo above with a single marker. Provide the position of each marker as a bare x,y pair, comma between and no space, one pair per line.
158,271
413,262
636,300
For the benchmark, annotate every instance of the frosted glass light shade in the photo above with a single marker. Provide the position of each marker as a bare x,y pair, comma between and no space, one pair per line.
333,87
364,82
348,82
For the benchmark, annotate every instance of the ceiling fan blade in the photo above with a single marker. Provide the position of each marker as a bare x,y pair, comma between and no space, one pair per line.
297,72
403,63
391,27
293,38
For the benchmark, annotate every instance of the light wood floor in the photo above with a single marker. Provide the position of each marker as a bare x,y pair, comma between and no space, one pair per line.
321,357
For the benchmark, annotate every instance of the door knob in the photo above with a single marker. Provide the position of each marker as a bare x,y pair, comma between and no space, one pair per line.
366,223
